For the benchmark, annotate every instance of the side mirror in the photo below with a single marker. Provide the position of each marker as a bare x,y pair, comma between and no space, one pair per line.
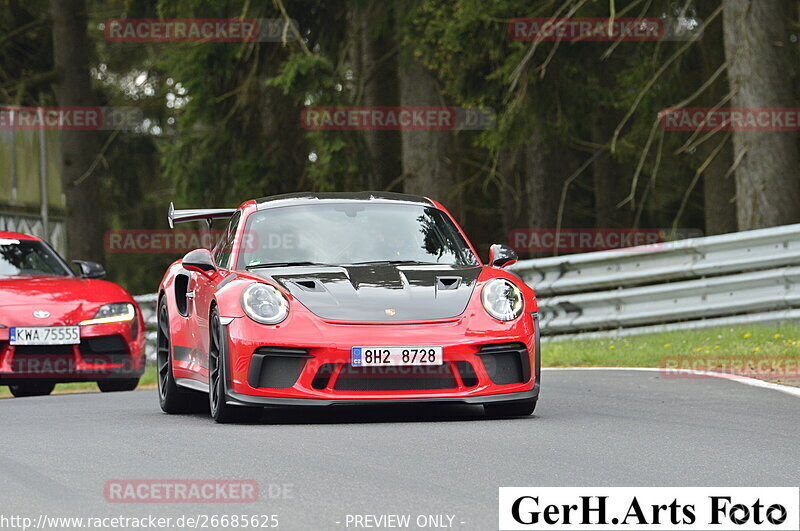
199,260
90,269
501,256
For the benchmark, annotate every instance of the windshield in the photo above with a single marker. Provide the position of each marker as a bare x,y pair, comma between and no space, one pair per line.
352,233
28,257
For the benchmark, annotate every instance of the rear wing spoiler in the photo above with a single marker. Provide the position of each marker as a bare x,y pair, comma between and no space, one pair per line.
196,214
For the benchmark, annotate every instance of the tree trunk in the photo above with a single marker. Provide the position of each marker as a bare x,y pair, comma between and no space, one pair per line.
85,218
377,75
719,185
531,190
427,166
719,190
609,186
768,176
541,190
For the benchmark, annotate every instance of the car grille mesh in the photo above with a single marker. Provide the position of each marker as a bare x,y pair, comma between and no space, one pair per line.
104,349
418,378
43,350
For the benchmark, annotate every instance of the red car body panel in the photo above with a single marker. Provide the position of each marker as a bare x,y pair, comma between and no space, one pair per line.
329,342
69,300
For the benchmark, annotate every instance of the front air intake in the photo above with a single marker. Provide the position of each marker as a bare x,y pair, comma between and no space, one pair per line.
468,376
104,349
276,367
506,363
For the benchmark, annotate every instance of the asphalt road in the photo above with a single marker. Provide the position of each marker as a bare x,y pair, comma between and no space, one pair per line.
591,429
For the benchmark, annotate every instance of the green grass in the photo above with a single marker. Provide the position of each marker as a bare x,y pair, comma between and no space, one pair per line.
148,380
752,342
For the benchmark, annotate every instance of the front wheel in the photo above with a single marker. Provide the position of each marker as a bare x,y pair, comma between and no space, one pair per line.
31,389
217,367
518,408
113,386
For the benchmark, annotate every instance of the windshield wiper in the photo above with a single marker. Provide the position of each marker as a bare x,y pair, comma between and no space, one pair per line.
283,264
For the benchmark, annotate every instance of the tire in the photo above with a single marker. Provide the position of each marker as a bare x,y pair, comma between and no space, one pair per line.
171,399
519,408
120,384
31,389
221,412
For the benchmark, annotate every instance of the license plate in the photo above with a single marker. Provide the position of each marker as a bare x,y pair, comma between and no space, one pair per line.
45,335
395,356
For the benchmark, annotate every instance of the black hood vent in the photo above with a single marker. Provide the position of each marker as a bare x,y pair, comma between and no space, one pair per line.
447,283
310,284
379,292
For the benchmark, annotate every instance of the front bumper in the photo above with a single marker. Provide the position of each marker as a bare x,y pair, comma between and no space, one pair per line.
308,363
236,399
106,351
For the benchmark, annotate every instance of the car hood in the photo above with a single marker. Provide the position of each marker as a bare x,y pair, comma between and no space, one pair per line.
383,292
68,300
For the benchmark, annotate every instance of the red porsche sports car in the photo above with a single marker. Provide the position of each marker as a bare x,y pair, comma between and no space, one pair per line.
344,298
56,326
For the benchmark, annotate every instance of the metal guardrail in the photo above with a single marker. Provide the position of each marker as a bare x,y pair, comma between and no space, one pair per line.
682,259
696,282
736,278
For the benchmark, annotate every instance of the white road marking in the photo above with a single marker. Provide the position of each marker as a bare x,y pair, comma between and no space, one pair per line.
794,391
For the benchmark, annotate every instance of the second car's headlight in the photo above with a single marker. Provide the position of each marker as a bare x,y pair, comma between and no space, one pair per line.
112,313
502,299
264,304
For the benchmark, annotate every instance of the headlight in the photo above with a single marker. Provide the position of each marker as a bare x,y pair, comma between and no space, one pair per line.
112,313
502,299
264,304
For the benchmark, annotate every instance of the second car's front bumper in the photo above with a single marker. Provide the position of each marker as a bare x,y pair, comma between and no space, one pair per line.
105,351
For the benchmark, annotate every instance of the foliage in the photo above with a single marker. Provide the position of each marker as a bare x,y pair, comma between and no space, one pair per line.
223,119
